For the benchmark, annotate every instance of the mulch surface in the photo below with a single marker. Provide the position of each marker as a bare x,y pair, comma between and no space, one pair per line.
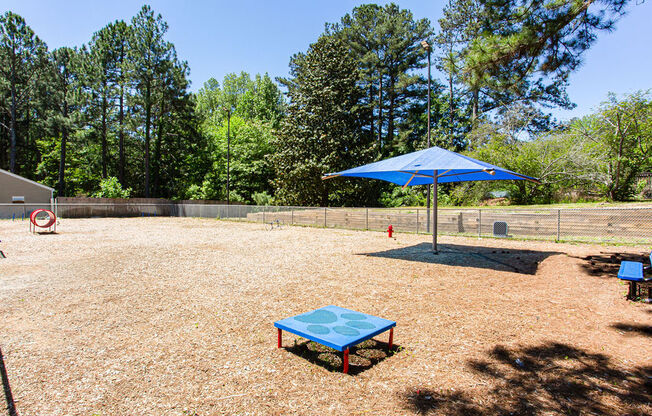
174,316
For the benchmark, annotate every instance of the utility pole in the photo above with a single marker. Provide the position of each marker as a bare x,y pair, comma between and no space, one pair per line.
428,49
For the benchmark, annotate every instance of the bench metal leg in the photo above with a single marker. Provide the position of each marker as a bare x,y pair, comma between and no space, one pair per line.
391,338
632,290
280,337
346,361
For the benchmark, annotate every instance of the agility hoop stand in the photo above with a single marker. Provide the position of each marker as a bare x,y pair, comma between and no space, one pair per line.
51,223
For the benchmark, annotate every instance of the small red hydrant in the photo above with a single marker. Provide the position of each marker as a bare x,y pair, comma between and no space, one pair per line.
390,230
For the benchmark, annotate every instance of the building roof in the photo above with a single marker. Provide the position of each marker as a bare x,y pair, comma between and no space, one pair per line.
26,180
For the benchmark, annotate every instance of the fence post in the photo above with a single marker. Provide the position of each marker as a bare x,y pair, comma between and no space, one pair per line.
367,219
325,216
417,220
292,216
263,213
479,223
558,223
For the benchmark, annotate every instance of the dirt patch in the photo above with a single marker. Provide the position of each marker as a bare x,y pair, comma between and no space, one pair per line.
174,316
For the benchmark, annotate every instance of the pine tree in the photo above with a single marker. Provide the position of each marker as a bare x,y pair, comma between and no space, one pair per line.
386,42
149,54
23,59
65,63
106,78
505,52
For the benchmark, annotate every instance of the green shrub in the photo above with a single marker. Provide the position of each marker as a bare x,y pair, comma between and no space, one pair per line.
111,188
261,198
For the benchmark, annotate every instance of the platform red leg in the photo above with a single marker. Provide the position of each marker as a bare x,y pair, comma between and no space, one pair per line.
346,361
391,338
280,337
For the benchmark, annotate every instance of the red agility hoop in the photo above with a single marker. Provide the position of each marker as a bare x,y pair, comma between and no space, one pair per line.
52,219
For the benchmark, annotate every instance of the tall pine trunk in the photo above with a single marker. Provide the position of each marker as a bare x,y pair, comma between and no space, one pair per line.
372,123
121,139
104,145
451,109
12,125
380,111
474,105
391,111
148,116
121,142
62,160
157,153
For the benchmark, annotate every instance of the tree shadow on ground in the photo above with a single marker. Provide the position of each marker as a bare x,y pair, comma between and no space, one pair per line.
606,264
9,397
494,258
361,357
551,378
635,329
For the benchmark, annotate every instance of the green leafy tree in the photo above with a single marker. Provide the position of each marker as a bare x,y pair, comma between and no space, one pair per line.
110,188
322,131
255,107
617,143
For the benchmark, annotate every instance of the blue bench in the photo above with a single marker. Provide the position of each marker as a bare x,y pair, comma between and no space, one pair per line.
633,272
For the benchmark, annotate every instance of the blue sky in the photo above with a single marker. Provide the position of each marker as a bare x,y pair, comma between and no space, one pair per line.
218,37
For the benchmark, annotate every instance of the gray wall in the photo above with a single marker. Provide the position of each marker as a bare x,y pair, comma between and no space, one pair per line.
13,186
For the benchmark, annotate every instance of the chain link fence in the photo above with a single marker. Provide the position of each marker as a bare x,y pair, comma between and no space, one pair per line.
616,225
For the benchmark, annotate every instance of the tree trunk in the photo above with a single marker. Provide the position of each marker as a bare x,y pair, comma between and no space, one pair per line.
148,116
156,163
391,110
621,136
30,150
372,124
380,111
12,125
104,156
121,142
474,104
62,160
451,109
4,142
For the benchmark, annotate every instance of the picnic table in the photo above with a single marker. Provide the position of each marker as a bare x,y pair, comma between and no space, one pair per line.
633,272
336,327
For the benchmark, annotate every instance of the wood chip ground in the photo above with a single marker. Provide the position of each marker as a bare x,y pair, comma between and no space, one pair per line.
174,316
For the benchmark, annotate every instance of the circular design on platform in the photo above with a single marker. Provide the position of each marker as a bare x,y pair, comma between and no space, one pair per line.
345,330
317,317
360,325
318,329
354,316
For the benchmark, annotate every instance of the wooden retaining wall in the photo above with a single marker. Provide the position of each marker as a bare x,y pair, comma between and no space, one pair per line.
607,223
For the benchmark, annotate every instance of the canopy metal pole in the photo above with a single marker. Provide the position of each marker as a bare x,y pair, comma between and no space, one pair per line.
434,213
428,49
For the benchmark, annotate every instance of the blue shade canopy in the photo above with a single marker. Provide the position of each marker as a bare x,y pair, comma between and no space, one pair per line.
417,168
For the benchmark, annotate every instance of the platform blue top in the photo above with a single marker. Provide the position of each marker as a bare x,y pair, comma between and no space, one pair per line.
335,327
418,168
631,270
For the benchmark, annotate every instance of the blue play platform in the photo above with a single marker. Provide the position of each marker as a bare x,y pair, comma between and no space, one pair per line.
336,327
